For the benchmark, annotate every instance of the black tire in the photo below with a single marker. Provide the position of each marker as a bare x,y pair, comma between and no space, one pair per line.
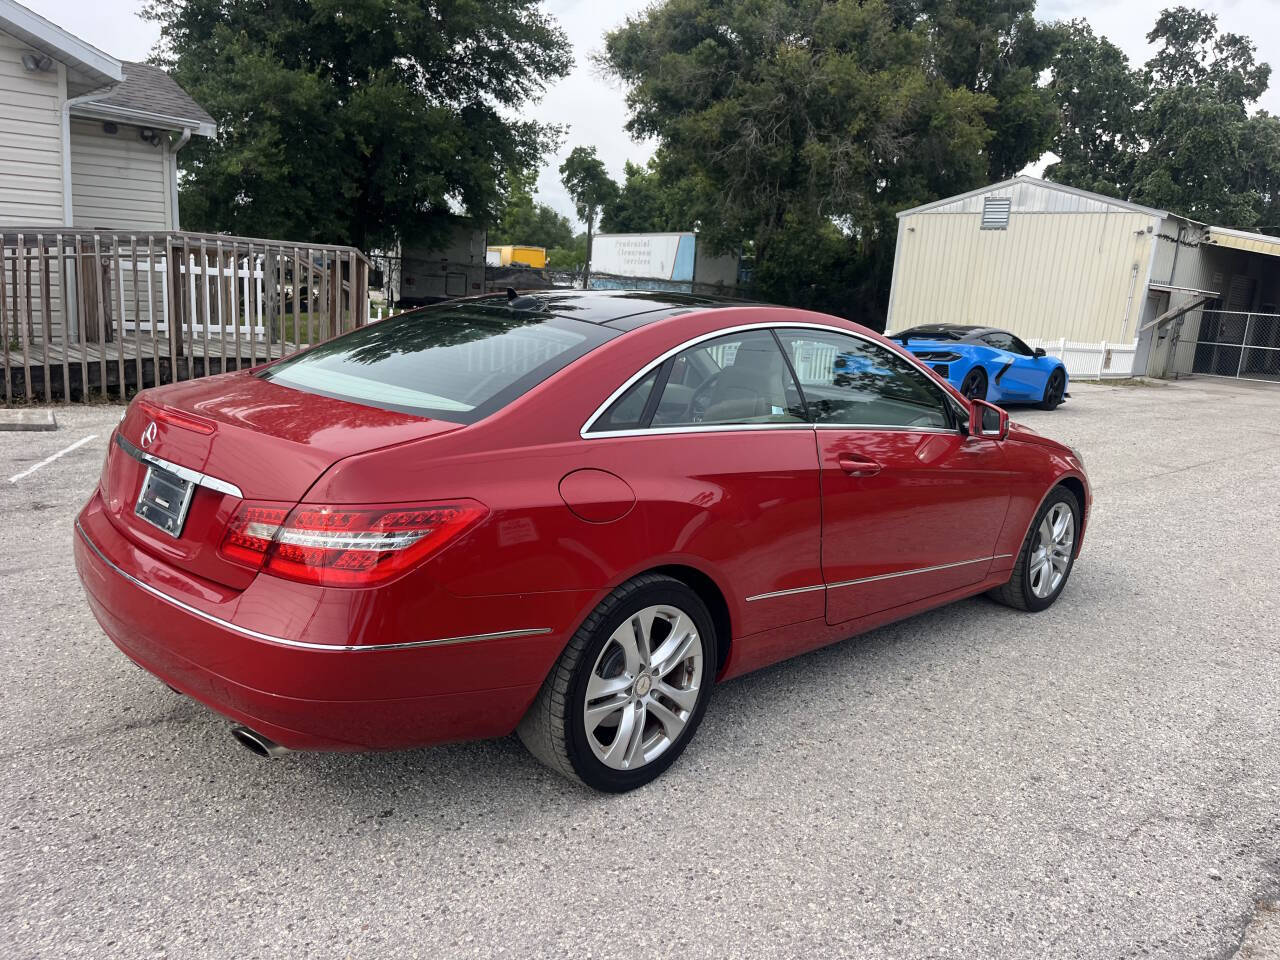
554,729
1054,390
1018,593
974,385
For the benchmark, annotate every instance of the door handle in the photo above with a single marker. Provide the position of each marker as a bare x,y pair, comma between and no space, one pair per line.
856,466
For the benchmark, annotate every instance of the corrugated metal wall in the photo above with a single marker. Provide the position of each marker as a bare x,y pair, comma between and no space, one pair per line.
1052,274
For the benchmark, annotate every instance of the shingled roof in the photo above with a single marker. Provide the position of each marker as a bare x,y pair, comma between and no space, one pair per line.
150,96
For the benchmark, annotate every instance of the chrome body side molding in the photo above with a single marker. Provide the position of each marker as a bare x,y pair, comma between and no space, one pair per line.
882,576
302,644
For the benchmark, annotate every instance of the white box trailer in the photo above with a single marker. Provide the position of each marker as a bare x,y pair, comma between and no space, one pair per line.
660,261
454,268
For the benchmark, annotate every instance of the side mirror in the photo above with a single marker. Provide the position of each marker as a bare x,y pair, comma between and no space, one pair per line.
1039,351
987,420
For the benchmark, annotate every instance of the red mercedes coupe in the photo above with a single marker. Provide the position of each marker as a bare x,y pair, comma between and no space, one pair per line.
567,514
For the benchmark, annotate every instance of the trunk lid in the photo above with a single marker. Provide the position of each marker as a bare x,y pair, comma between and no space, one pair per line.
235,431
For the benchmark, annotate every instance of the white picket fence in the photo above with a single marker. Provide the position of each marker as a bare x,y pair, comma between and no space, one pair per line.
1091,361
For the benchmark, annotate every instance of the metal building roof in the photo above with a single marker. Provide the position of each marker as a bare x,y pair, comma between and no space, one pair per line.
1243,240
1034,195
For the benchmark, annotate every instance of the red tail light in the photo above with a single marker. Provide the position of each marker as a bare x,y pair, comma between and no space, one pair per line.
344,546
186,421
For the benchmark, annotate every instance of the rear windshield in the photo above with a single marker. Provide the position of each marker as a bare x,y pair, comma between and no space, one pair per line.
458,362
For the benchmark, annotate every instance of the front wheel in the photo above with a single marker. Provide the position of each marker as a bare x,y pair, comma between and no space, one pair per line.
1054,390
629,690
1047,556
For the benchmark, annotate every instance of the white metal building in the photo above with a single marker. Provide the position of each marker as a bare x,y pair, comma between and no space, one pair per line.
1115,288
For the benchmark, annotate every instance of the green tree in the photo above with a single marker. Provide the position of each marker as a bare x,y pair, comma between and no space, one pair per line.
590,188
357,120
1098,97
1178,133
1194,122
1260,145
800,127
572,257
533,224
647,202
998,48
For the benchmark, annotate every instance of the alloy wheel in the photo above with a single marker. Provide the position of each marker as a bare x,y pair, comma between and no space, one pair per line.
644,687
974,386
1055,388
1051,554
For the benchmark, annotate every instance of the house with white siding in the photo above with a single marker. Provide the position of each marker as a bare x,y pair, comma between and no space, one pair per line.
1114,288
86,140
101,290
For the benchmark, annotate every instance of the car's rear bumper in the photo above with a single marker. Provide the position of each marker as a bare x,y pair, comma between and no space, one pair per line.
302,692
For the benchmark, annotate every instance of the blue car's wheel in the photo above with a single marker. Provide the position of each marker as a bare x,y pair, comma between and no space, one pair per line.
974,385
1054,390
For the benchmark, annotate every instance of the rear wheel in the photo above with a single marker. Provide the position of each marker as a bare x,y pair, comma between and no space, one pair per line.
1054,390
974,385
1048,553
630,689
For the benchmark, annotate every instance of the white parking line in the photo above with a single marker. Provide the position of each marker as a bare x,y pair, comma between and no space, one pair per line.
48,460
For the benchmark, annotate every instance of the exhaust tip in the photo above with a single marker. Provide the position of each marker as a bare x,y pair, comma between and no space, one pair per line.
257,744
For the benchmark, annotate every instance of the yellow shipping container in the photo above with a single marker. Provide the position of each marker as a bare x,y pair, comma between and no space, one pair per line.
535,257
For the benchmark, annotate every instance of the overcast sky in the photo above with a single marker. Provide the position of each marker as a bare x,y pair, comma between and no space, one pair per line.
592,107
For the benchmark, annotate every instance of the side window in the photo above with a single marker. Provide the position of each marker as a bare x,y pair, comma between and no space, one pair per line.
847,380
627,412
737,378
1007,341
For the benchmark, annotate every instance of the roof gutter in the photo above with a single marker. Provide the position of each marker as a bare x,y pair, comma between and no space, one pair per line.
146,118
173,184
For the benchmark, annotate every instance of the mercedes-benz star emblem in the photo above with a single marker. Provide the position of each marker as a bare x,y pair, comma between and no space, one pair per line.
149,434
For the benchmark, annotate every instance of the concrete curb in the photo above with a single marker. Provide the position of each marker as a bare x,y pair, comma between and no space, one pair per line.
21,421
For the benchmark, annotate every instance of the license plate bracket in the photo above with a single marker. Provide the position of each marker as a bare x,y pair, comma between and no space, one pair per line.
164,499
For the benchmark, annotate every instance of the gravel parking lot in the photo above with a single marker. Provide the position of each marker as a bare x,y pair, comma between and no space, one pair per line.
1100,780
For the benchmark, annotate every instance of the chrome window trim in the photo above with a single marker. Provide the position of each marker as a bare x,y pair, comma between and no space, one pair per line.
773,325
883,576
186,473
699,428
301,644
944,431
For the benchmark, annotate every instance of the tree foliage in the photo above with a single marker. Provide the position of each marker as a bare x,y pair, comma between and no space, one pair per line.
646,202
526,222
994,47
589,186
800,127
1176,134
571,257
588,183
355,120
1098,96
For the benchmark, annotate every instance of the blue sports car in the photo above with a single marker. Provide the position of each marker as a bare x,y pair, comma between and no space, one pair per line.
989,364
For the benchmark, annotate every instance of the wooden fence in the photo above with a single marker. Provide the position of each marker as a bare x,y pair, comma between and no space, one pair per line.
85,313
